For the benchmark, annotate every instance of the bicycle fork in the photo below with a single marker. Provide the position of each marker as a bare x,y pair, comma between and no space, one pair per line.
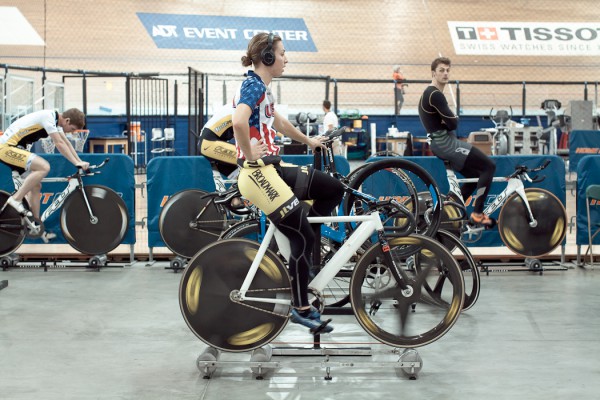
93,218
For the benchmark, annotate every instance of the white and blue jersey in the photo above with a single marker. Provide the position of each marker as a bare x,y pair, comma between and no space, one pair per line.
256,95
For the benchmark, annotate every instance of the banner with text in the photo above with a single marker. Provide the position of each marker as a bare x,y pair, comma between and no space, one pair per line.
208,32
525,38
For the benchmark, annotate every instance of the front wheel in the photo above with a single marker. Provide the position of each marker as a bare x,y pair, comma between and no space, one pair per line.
104,229
211,307
416,315
467,265
401,180
12,227
517,233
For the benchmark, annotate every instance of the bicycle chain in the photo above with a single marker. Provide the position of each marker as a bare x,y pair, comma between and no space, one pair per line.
260,309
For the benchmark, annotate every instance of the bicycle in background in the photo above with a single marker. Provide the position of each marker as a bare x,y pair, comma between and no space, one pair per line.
93,218
532,222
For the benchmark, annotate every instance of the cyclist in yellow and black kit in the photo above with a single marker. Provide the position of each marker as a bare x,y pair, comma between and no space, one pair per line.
28,130
273,187
214,140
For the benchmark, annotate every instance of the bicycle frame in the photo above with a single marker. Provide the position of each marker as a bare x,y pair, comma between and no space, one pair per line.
370,223
73,183
513,185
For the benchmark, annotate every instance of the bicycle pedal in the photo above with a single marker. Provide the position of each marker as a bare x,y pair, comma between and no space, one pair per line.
324,327
374,307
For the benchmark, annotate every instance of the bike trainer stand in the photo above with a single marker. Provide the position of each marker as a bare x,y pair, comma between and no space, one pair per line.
528,264
177,264
409,361
95,262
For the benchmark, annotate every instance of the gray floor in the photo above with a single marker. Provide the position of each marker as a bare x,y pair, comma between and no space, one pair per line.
119,334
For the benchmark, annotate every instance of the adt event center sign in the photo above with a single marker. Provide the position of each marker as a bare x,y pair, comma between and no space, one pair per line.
180,31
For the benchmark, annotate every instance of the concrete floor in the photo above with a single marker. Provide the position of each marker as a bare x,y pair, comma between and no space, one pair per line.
118,334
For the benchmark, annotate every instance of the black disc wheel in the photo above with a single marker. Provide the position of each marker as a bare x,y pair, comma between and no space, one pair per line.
12,227
104,229
409,315
533,241
189,221
467,265
209,296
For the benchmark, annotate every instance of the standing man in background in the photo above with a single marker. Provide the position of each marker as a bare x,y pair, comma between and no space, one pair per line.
398,88
330,122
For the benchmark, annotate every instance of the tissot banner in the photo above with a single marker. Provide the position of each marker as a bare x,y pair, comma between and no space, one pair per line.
208,32
525,38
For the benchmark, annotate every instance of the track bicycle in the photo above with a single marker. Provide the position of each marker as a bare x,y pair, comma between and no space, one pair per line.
532,222
193,218
401,173
235,294
93,218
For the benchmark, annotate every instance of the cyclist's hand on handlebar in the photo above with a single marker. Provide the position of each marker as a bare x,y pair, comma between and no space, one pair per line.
315,142
84,165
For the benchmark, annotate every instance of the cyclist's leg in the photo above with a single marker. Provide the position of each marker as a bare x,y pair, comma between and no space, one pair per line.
271,193
38,169
479,165
326,191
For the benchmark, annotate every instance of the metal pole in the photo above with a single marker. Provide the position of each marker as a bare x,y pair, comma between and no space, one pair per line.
524,113
457,98
84,93
335,97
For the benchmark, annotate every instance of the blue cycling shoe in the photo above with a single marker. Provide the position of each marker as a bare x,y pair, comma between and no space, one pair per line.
312,321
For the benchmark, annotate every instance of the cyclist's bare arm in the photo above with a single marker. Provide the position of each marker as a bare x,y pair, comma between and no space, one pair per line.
66,149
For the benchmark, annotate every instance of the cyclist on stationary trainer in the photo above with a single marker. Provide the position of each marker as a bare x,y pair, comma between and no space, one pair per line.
441,123
28,130
273,187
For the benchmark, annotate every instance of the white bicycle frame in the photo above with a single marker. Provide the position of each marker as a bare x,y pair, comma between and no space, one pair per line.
72,185
513,185
370,223
220,182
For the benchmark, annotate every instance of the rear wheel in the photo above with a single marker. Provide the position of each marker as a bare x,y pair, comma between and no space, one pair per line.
189,221
519,236
12,227
209,303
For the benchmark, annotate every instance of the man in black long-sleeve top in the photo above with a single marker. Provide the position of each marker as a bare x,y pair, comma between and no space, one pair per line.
441,123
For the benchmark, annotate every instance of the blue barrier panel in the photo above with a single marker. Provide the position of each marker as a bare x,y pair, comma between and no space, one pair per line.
505,165
169,175
117,174
587,174
581,144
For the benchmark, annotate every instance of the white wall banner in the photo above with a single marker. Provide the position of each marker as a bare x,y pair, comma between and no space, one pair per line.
15,30
525,38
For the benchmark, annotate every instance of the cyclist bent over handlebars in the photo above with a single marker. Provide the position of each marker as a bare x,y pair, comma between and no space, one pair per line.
28,130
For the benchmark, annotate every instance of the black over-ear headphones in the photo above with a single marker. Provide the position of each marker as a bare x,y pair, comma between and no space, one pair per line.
267,56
